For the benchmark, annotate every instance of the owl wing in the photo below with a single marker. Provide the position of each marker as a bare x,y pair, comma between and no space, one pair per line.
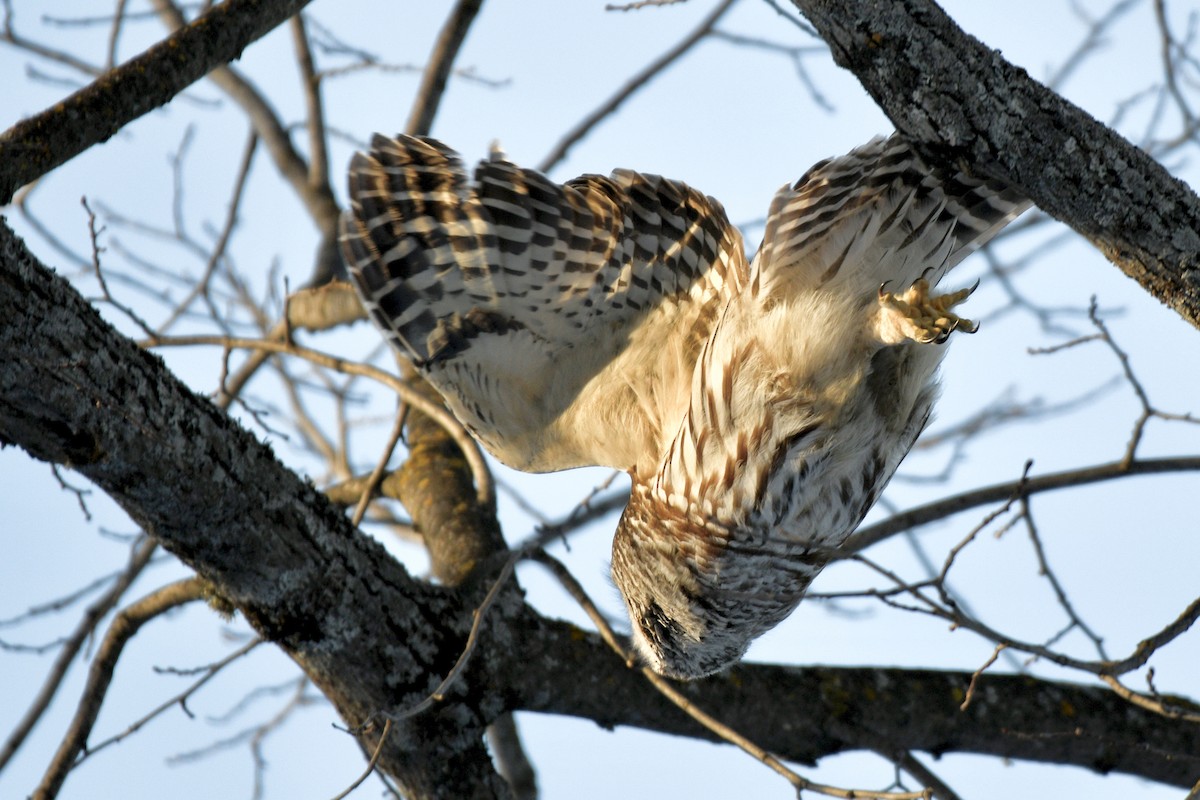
560,322
879,214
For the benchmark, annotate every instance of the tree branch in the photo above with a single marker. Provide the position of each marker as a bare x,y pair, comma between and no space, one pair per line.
36,145
71,647
962,103
632,86
315,192
433,82
73,391
126,624
1000,492
802,714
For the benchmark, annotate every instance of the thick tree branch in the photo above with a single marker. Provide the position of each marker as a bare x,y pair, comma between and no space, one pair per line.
36,145
74,392
962,103
802,714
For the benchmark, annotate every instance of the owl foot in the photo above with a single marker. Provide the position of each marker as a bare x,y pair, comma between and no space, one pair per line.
918,316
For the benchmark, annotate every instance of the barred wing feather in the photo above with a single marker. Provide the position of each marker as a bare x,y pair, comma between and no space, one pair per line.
541,311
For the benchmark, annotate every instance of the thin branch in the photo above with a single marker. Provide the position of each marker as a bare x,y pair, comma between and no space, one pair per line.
483,484
667,689
114,35
387,728
123,628
138,560
207,672
966,703
433,82
940,509
38,144
946,610
636,83
376,475
317,198
1059,592
928,778
221,245
318,163
640,4
512,763
1148,410
106,295
18,41
1150,704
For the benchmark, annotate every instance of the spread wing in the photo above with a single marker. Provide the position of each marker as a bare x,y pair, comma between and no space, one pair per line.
560,322
879,214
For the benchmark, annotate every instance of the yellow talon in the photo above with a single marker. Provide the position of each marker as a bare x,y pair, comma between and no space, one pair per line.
916,315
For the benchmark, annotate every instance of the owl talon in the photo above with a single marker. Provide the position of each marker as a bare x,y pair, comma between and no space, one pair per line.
919,316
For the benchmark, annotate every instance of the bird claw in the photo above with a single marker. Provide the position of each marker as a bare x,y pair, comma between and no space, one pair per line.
919,316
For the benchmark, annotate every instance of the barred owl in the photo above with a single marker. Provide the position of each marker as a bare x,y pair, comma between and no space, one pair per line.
760,407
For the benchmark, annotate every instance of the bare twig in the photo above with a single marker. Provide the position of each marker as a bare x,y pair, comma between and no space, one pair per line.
641,4
123,628
20,42
1149,703
797,54
637,82
1148,410
940,509
947,611
928,778
1059,592
207,673
1093,41
483,484
39,143
720,729
106,295
966,703
114,35
433,83
219,247
317,198
387,728
477,618
318,157
138,560
377,474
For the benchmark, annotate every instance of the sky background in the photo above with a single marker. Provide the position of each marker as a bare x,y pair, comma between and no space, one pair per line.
736,122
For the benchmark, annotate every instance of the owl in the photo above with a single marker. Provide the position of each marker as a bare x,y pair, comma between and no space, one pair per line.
759,406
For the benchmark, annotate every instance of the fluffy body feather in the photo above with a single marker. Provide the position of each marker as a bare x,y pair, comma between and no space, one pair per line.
760,408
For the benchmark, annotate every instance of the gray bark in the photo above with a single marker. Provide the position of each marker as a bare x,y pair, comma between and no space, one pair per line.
963,104
34,146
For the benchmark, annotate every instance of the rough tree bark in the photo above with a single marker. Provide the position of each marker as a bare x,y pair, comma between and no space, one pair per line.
964,104
75,392
34,146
